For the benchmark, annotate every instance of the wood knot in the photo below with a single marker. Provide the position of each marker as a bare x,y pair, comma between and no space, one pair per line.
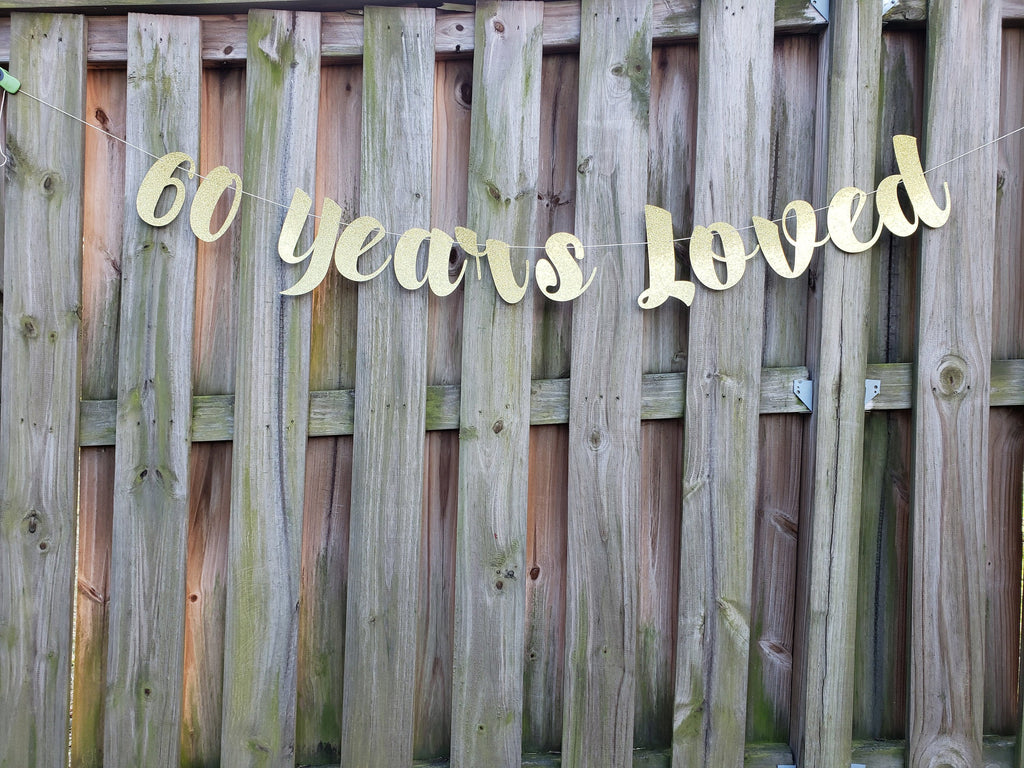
499,27
29,326
584,164
950,377
498,426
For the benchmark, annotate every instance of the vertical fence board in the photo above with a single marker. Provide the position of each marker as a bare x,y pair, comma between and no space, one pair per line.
1006,425
947,615
879,687
101,290
387,461
780,450
271,400
604,400
722,386
673,127
154,413
552,337
837,428
329,459
453,93
39,389
490,585
222,125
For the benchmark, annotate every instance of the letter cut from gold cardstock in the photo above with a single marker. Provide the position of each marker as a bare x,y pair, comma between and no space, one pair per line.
205,202
499,261
703,256
842,217
803,242
661,263
560,268
908,160
438,252
323,245
353,243
156,180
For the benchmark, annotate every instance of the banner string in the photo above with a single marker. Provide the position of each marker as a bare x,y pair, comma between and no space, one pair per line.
269,201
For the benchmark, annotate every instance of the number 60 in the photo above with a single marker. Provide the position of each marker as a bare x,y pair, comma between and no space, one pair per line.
216,182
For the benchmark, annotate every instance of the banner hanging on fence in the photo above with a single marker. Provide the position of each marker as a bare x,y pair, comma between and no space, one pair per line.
717,254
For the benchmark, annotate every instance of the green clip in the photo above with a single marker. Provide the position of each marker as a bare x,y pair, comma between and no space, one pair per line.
9,82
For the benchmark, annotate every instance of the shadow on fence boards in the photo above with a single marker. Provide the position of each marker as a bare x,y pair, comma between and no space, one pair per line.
380,525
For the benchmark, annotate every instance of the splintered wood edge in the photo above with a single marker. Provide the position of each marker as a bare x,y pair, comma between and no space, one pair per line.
331,412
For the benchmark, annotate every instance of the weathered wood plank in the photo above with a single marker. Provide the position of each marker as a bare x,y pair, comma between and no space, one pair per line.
154,394
780,443
1006,446
222,126
721,429
670,185
604,399
917,11
432,733
39,390
101,287
271,400
879,690
543,670
332,412
224,33
950,489
387,461
824,731
490,577
329,460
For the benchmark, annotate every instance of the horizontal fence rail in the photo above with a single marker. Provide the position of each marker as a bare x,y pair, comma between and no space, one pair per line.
331,412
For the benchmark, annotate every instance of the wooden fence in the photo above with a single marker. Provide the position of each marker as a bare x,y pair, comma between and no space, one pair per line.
377,527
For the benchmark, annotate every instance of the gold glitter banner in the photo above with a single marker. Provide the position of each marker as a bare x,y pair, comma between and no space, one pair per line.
717,254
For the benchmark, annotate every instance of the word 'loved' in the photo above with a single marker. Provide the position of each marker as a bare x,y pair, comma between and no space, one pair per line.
559,273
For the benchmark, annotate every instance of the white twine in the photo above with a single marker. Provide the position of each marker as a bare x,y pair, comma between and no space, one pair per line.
398,234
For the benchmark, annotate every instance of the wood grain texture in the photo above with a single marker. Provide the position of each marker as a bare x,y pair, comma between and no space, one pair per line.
824,730
271,401
490,577
780,452
1006,448
432,734
39,390
224,37
147,547
101,290
879,691
154,393
387,461
329,460
556,206
222,126
950,488
544,635
723,381
604,399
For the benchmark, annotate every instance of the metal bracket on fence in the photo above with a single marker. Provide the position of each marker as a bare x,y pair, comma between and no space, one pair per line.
821,6
888,5
871,389
852,765
804,390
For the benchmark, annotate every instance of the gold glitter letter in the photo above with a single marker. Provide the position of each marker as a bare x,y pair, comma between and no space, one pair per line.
156,180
